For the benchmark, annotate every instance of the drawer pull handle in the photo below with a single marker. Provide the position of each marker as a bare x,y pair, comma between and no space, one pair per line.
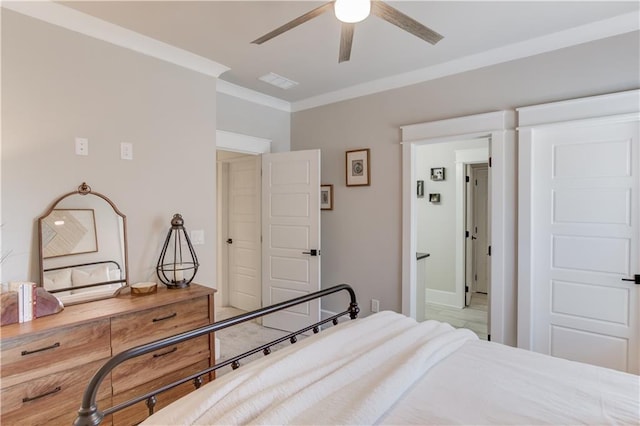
165,353
55,345
165,318
28,399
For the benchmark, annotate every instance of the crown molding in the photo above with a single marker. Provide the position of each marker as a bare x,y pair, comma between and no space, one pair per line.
77,21
74,20
252,96
617,25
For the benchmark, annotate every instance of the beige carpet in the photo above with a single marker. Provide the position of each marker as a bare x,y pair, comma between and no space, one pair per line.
242,337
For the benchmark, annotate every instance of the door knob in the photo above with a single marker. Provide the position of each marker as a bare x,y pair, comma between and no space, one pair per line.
635,279
229,241
312,252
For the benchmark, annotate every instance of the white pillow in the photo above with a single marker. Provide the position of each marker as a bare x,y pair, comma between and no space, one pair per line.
57,280
100,274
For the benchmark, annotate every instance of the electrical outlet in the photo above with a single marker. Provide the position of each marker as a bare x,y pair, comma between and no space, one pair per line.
126,151
375,305
82,146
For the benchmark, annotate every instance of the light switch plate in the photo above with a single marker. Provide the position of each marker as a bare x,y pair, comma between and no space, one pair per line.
197,237
82,146
126,151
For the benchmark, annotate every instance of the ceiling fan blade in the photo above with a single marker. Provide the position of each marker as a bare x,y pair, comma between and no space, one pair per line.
399,19
346,39
294,23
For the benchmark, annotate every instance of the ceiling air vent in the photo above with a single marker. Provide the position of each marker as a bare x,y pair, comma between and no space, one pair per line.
278,81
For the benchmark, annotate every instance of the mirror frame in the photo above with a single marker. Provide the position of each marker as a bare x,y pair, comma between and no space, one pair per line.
84,190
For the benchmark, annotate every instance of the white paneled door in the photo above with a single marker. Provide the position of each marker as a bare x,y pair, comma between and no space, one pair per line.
245,290
291,235
585,231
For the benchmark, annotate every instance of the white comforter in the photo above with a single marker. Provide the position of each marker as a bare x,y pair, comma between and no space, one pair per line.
387,368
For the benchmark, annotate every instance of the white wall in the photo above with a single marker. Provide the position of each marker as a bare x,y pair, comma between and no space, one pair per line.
361,237
436,223
58,84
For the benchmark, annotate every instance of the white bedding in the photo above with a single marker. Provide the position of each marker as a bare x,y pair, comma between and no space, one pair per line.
388,369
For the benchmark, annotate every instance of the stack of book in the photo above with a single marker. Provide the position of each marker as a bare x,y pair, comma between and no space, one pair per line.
27,300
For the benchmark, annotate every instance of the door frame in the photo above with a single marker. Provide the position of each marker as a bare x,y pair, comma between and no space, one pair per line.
603,109
498,127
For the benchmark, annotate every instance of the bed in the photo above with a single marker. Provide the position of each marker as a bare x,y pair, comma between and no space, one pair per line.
389,369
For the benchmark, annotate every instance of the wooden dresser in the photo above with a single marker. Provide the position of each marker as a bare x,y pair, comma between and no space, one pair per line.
46,364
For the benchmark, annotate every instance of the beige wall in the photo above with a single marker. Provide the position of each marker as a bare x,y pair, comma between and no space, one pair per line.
58,84
248,118
361,237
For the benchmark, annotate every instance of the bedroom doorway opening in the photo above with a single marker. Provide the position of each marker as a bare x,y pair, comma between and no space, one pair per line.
452,230
497,129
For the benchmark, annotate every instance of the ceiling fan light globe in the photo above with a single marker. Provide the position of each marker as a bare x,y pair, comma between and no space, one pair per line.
352,11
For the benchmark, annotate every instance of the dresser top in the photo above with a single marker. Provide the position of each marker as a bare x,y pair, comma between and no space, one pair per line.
105,308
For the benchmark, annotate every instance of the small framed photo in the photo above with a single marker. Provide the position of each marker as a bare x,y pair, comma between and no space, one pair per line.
326,197
437,173
434,198
358,170
420,189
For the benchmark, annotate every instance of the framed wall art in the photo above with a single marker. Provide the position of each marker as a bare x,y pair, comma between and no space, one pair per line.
326,197
437,173
357,168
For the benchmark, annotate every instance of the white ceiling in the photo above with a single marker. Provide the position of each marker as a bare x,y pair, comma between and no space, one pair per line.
381,54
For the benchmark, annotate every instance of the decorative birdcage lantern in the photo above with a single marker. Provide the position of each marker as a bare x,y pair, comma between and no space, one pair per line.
178,263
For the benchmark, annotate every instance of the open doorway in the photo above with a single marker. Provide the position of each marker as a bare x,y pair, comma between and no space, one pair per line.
497,127
453,229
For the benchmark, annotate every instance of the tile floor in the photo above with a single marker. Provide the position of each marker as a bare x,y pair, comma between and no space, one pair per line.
473,317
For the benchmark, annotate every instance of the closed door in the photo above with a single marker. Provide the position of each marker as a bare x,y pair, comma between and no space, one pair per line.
244,230
291,235
585,232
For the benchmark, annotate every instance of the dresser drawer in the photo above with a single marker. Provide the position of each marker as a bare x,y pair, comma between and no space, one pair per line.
153,324
30,356
138,412
157,364
56,395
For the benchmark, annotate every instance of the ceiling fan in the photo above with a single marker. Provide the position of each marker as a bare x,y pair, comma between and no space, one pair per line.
349,12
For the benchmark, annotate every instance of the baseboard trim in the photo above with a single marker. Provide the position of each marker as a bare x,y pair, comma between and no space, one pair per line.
445,298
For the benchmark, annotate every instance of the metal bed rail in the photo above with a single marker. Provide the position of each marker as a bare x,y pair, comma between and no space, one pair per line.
90,415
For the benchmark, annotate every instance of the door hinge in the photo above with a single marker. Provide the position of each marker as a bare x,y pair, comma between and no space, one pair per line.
467,179
489,161
489,252
488,337
475,277
466,234
466,289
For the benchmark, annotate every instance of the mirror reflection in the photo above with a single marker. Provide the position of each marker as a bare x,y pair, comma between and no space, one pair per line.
83,247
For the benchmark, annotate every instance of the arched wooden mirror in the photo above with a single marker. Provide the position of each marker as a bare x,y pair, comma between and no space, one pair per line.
83,247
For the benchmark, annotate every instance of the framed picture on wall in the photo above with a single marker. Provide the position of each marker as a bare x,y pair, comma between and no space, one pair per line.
326,197
357,168
437,173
